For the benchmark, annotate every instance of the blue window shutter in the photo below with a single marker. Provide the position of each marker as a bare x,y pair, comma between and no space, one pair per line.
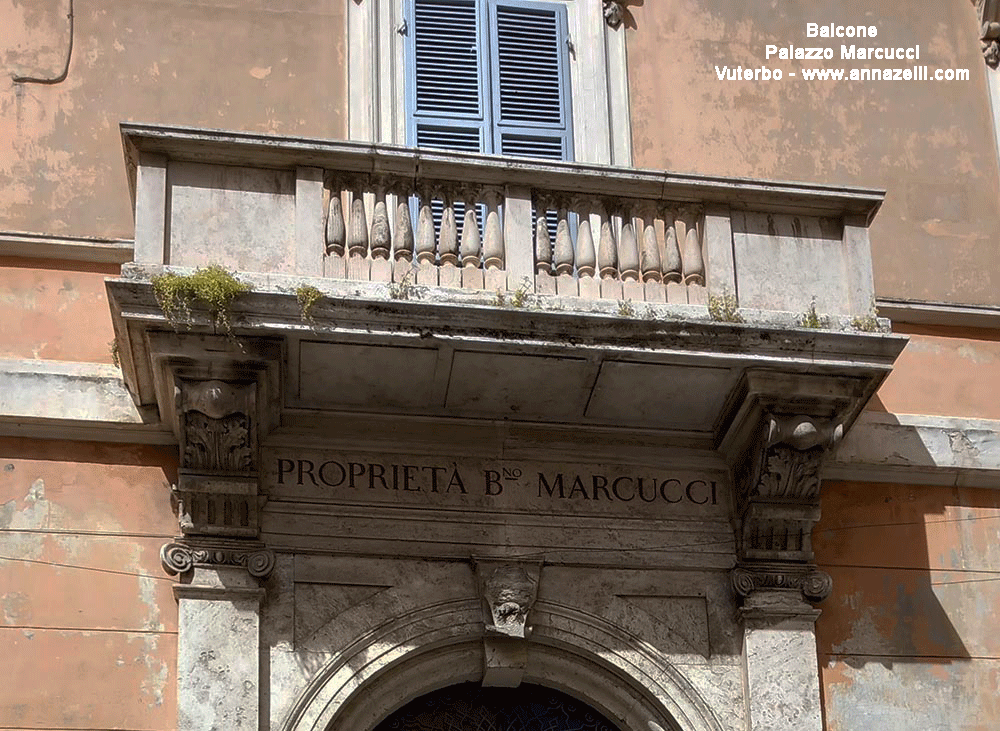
446,68
529,74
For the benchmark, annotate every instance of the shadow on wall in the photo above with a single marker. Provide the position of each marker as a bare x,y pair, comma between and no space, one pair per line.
910,565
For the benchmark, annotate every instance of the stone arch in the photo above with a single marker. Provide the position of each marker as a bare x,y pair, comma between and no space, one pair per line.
572,651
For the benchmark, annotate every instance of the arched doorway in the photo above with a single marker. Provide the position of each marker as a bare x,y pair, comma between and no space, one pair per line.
471,707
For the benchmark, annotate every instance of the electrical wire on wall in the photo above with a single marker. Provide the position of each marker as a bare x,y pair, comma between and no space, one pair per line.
69,54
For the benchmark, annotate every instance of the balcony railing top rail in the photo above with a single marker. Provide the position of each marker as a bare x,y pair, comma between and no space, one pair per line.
287,153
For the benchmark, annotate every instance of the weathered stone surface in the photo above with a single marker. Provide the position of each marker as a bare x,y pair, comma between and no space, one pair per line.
782,677
218,653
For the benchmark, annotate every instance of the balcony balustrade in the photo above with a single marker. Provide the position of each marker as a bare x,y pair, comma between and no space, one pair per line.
390,215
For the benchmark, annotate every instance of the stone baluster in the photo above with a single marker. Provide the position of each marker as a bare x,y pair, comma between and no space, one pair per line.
628,258
358,266
448,274
649,257
426,253
607,251
694,266
672,266
543,244
471,249
607,257
564,244
335,261
493,244
336,231
586,256
381,238
628,250
545,283
448,235
566,283
403,251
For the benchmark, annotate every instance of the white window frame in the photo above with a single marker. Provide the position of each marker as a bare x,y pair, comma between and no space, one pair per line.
376,104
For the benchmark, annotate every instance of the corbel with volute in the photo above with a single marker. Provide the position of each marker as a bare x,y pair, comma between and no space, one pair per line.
222,404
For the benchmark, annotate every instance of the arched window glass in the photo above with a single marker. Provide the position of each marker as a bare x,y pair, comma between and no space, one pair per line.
470,707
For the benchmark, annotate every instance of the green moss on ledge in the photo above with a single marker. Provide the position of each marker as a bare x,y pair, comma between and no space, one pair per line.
212,288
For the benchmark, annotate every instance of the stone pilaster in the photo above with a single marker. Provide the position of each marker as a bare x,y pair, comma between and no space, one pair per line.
218,556
218,649
777,505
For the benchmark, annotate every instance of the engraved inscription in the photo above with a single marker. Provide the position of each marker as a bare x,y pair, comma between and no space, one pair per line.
485,483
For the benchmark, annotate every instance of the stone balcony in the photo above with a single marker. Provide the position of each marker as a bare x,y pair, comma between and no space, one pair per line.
642,301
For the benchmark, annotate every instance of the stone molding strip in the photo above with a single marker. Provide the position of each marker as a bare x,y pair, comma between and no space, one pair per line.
68,400
68,248
920,450
917,312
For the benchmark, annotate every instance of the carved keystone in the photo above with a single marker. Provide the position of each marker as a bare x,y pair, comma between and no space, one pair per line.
507,591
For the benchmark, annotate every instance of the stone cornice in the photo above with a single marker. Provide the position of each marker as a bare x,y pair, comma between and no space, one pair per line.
66,248
948,314
922,450
68,400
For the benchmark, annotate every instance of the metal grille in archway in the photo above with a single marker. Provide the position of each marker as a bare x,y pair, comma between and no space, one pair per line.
470,707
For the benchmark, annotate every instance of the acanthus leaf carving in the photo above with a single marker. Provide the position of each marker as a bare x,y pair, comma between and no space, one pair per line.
221,444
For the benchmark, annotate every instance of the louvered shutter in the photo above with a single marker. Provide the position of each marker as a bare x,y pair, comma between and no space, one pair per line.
530,79
489,76
446,60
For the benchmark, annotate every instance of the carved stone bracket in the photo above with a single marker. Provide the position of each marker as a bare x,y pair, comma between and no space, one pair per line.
990,39
989,18
507,591
220,400
217,486
778,505
614,13
180,557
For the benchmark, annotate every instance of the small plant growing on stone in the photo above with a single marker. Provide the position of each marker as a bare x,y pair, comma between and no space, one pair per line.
520,296
403,289
868,323
308,296
212,287
625,308
115,354
724,308
811,319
